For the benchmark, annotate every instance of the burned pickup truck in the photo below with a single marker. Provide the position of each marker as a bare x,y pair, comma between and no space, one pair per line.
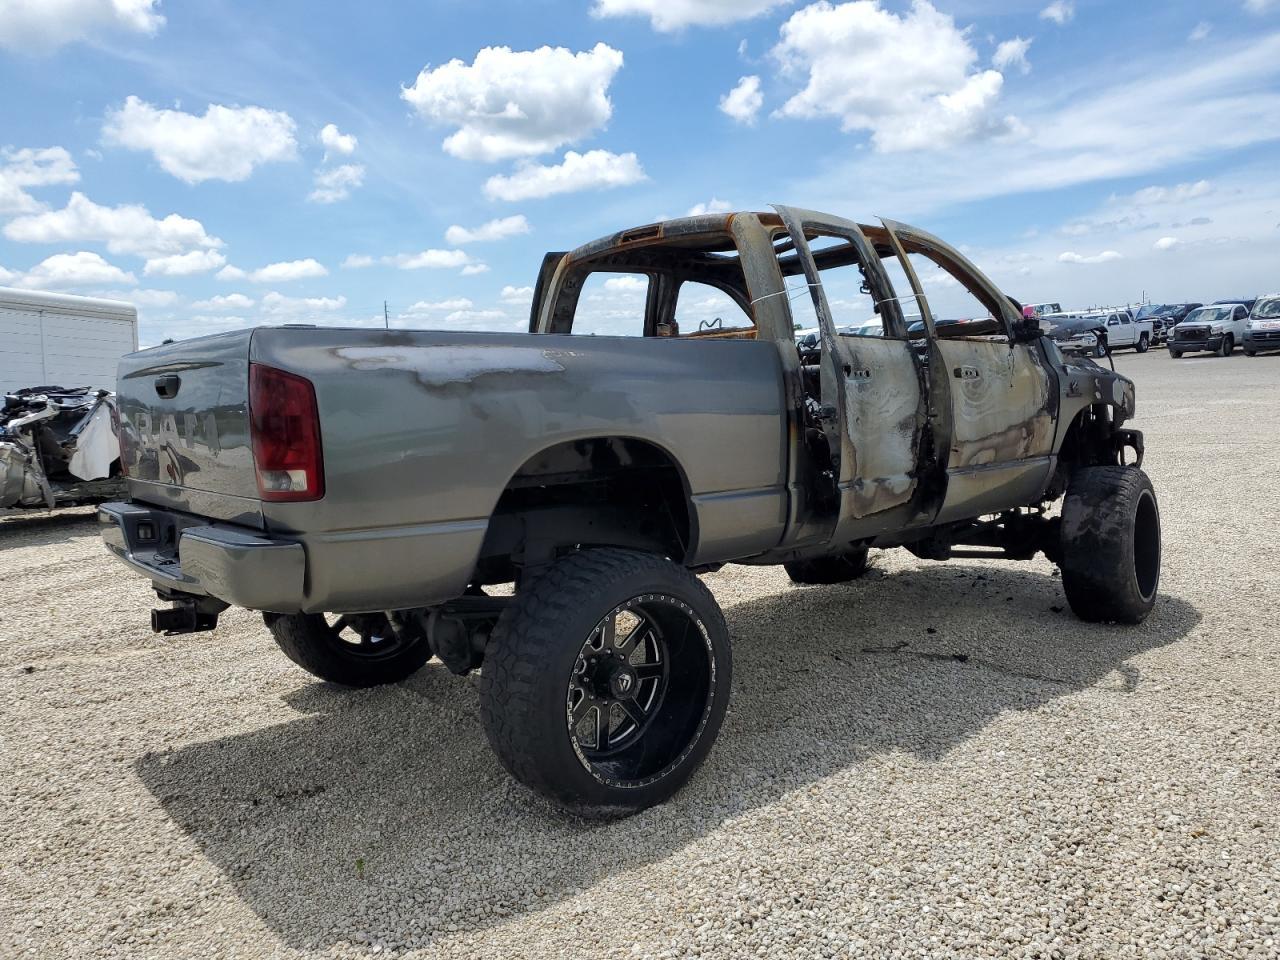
58,448
364,488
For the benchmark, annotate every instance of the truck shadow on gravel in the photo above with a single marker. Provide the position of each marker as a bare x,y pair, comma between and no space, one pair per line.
382,817
38,529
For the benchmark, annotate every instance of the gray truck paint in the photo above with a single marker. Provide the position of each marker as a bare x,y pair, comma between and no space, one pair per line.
422,431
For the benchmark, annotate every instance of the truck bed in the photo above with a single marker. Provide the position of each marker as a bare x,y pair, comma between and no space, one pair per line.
421,432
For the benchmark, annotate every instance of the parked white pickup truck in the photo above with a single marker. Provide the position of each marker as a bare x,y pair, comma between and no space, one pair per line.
1216,328
1124,331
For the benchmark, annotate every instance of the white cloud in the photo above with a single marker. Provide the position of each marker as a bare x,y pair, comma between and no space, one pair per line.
744,101
626,285
1166,243
1201,31
1149,117
335,142
1235,249
593,170
713,205
1012,53
283,272
224,304
910,84
1180,193
30,167
517,103
336,183
128,228
1106,256
39,26
82,269
357,261
231,273
516,295
669,15
1259,6
152,298
184,264
429,260
472,269
493,230
441,306
275,303
1060,12
224,144
8,276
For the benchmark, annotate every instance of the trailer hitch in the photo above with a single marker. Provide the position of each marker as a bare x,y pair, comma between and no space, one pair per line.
186,614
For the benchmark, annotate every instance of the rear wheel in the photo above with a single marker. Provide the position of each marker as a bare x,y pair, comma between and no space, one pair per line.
1110,552
840,568
1144,343
1228,346
355,650
605,682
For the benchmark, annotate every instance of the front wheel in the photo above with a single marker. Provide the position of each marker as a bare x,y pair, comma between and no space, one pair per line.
606,680
1110,552
1100,349
1176,354
1144,343
1251,353
355,650
1228,346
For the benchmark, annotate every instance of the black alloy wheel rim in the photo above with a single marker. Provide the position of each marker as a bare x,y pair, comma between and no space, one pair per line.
368,636
640,691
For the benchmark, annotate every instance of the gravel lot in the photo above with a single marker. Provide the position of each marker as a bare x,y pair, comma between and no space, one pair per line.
935,761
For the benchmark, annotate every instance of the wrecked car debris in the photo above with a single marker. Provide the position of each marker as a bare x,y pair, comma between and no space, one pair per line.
58,447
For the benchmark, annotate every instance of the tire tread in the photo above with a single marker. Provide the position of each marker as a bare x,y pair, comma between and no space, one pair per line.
527,635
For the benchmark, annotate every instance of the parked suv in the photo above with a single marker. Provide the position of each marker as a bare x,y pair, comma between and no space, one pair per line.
1216,328
1262,332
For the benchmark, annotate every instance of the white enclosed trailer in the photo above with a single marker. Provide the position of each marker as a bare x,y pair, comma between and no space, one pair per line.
58,339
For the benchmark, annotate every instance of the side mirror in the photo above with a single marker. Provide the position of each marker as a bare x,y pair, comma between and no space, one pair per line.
1026,329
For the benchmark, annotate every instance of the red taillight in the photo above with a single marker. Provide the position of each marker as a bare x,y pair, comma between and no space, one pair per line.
284,425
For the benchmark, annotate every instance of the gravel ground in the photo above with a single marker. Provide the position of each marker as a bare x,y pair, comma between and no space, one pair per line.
935,761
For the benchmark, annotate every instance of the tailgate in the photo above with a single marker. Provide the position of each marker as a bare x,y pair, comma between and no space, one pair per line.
184,418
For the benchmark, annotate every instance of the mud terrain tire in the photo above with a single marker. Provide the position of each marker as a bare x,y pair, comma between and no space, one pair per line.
841,568
1110,545
543,667
370,656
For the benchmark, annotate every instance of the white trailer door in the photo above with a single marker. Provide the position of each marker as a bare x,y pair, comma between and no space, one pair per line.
84,351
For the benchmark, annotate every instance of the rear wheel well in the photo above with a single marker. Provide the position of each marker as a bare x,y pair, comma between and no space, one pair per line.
600,491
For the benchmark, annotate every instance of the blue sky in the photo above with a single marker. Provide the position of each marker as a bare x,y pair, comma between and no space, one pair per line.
176,154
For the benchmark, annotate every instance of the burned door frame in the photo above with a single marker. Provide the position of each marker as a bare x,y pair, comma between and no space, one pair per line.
874,440
991,462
